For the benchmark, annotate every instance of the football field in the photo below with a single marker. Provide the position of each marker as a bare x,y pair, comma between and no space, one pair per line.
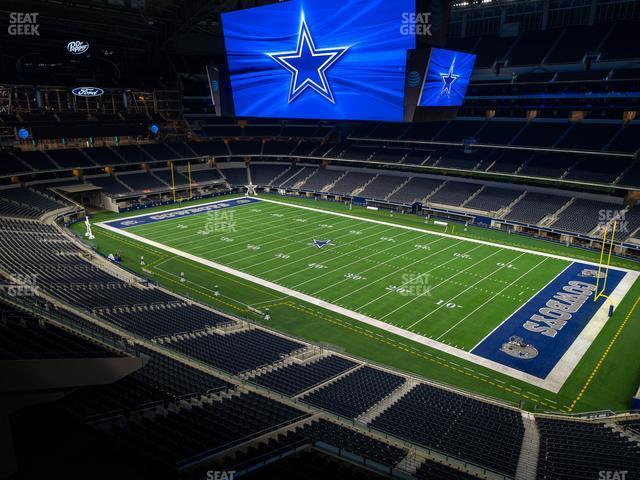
469,298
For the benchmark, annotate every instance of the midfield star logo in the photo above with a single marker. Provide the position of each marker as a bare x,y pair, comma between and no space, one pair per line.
308,65
448,79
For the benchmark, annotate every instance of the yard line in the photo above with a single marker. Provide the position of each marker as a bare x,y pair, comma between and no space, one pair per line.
388,275
307,258
278,239
494,296
443,282
273,225
252,235
466,289
412,239
444,235
166,228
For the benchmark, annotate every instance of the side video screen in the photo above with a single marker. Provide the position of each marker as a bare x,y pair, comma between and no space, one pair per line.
447,78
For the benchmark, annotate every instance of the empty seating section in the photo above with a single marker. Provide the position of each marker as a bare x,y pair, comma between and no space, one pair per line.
538,134
281,148
626,140
382,186
589,136
415,190
492,199
597,169
576,450
633,425
355,393
321,179
71,158
454,193
499,132
577,41
161,379
244,147
458,130
533,207
456,425
237,352
350,182
132,153
548,165
24,202
296,378
629,224
359,152
141,182
389,130
181,149
158,151
431,470
109,184
509,161
236,176
160,320
298,175
104,156
582,216
206,428
423,131
391,154
617,46
23,337
489,49
10,164
532,47
459,160
176,378
204,176
217,148
36,159
128,394
305,149
354,442
631,177
265,174
165,176
417,157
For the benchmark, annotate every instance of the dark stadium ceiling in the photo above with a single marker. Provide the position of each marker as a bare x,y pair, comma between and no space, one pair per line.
149,21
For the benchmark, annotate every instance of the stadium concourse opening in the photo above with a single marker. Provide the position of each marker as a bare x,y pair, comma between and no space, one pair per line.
351,239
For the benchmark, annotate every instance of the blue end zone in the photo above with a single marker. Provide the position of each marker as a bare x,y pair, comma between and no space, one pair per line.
179,212
537,335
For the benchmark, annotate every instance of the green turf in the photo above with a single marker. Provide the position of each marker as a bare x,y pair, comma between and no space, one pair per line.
454,291
321,326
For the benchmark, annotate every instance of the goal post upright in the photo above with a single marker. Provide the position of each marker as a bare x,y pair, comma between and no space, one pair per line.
190,184
173,184
605,274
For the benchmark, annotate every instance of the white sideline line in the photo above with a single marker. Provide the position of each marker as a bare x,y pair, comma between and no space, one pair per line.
554,381
496,295
447,235
465,290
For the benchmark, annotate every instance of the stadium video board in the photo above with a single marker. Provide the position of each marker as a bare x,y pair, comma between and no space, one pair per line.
320,59
447,78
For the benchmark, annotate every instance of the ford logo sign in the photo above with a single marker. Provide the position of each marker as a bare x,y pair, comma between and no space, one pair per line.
87,91
77,47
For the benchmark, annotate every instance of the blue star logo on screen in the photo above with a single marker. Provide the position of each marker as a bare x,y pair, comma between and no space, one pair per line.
308,64
448,79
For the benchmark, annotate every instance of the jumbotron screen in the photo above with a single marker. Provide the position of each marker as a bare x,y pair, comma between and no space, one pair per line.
319,59
447,78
